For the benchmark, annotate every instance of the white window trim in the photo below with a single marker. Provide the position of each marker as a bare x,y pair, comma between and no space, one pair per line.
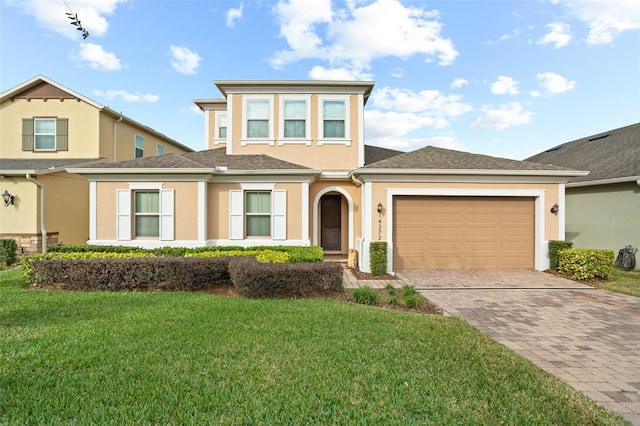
270,139
55,135
159,148
125,212
237,213
297,141
347,125
216,139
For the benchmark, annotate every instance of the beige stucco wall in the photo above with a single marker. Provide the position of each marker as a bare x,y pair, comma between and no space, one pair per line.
67,206
551,191
83,127
23,216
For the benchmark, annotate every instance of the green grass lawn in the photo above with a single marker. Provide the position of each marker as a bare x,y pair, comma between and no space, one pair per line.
627,282
193,358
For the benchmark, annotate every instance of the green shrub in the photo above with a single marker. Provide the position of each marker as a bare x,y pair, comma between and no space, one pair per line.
277,280
82,248
391,290
8,247
264,256
413,301
409,291
582,264
366,296
378,257
554,248
297,254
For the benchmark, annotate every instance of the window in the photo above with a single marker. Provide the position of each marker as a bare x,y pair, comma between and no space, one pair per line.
139,146
222,126
44,134
159,149
147,214
258,118
295,115
333,119
258,213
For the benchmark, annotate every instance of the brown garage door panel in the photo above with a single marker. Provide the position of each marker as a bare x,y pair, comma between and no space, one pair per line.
463,232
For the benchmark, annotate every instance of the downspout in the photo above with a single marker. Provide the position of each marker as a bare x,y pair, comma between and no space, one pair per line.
42,227
115,136
356,181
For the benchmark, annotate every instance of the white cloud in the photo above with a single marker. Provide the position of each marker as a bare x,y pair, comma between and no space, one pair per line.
97,57
126,96
554,84
184,60
233,15
559,35
606,19
458,83
51,15
429,102
353,36
505,86
502,117
321,73
505,37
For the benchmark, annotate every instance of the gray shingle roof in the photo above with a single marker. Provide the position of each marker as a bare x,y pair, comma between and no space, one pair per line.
20,165
608,155
373,154
432,158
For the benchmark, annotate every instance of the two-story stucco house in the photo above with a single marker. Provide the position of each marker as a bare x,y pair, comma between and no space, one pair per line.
44,128
287,164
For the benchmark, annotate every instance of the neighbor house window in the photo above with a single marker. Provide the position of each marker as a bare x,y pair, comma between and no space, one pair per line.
258,213
139,146
44,134
147,214
222,126
258,118
159,149
333,122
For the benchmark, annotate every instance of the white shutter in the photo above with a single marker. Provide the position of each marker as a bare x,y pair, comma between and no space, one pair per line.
236,213
123,215
279,209
166,215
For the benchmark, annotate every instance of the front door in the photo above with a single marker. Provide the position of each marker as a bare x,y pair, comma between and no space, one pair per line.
330,213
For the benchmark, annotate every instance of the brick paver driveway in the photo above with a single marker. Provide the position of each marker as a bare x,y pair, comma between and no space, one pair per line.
588,338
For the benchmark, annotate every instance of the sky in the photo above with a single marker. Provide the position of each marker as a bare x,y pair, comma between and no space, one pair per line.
507,78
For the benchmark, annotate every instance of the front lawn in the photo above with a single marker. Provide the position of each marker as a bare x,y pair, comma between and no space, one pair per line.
195,358
627,282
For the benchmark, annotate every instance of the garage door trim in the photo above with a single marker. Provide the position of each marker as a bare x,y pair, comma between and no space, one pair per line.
539,226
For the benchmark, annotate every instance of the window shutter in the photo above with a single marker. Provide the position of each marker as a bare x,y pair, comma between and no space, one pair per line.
27,134
166,215
123,215
236,213
62,134
279,215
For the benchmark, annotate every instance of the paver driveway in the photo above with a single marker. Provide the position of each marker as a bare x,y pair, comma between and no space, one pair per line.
587,337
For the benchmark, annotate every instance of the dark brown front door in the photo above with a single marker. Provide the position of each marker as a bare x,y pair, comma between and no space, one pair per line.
330,222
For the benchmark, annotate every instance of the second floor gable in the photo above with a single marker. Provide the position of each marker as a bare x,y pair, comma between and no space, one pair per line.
318,124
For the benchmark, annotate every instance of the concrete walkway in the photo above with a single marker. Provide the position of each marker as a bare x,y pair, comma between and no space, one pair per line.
588,338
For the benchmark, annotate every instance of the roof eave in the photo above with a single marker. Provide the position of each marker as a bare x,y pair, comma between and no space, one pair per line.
604,181
139,170
490,172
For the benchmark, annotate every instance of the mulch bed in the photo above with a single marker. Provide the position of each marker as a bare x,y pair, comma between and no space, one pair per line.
361,276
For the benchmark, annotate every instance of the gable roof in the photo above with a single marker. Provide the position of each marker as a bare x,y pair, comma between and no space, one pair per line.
207,161
434,160
13,166
373,154
612,155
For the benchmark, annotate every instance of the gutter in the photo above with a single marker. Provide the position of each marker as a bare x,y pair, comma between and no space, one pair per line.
478,172
115,136
42,221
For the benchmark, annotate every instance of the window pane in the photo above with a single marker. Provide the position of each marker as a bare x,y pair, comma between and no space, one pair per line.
147,202
295,109
139,142
45,125
333,109
147,226
258,226
222,132
258,128
258,202
222,120
294,128
159,149
45,142
258,109
334,129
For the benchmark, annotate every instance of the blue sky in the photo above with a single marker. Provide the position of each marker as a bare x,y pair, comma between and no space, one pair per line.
504,78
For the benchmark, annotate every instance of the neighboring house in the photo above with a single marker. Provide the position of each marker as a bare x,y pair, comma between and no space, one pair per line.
286,164
44,128
603,208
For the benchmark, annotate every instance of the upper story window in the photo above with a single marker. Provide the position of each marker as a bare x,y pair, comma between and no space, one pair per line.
221,124
257,119
295,119
334,120
45,134
139,146
159,149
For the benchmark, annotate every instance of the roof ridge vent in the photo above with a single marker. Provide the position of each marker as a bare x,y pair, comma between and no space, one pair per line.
599,137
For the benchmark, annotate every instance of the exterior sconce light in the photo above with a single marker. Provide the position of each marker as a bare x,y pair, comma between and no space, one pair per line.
555,208
8,198
380,207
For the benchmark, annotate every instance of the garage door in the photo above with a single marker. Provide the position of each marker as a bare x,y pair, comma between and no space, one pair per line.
463,232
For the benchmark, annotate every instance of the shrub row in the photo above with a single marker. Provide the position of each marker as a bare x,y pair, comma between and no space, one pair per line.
8,247
256,280
378,257
582,264
554,252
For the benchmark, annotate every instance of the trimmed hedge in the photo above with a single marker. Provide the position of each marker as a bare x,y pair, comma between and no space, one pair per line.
554,248
8,248
378,257
280,280
582,264
140,273
262,256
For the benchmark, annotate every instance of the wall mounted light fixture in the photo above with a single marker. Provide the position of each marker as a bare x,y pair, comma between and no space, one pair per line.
555,208
380,207
8,198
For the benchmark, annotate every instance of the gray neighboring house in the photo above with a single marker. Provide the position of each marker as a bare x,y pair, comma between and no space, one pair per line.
602,208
